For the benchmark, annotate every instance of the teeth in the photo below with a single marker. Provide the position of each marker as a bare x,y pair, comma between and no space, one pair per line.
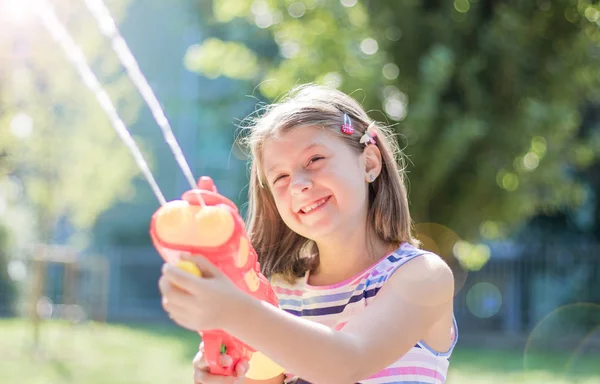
313,206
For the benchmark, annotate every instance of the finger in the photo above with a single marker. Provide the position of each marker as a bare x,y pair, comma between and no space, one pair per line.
166,287
205,377
173,295
225,360
180,278
207,268
241,368
199,362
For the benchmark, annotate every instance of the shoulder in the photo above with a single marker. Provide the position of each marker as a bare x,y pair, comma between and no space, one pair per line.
427,278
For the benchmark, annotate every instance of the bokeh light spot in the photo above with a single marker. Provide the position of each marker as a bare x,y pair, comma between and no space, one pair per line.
348,3
333,79
538,145
581,350
21,125
296,9
17,270
45,307
491,230
390,71
507,180
259,7
472,257
395,108
289,49
592,14
462,6
395,103
484,300
571,327
264,20
531,161
393,33
369,46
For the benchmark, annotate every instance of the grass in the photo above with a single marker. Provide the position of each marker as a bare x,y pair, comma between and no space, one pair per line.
115,354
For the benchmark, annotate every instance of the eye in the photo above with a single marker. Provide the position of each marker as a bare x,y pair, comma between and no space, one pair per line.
278,178
315,159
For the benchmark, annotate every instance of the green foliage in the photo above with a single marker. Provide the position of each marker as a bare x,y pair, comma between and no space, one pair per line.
208,58
58,141
485,96
8,290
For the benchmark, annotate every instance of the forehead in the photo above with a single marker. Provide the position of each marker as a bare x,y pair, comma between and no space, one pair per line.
296,140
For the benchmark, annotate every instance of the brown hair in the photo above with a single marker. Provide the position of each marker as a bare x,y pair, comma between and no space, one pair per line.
282,251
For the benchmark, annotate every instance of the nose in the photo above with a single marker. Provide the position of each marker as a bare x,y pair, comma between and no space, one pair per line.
300,183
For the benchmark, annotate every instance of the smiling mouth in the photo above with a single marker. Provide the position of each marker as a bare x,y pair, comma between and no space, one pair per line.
313,206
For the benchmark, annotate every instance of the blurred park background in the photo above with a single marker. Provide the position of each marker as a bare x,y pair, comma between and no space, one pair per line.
496,105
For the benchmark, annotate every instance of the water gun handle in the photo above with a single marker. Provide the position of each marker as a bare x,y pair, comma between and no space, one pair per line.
206,223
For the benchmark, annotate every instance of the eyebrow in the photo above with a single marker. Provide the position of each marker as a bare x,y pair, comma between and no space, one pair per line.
306,149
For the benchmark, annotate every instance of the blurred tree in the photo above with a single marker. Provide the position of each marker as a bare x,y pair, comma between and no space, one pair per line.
7,287
59,153
486,96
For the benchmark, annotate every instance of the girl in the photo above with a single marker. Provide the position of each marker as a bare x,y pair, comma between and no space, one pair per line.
329,219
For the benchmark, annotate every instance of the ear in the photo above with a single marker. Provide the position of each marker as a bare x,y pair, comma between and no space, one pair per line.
373,163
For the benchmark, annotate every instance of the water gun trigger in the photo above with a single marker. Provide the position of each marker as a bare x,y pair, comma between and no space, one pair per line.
217,344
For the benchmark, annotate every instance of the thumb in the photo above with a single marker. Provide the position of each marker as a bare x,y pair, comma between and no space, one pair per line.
207,268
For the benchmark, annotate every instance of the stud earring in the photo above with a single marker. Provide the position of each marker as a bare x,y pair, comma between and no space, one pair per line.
371,177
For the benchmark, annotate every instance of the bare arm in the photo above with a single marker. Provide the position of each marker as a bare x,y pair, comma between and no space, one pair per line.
275,380
415,297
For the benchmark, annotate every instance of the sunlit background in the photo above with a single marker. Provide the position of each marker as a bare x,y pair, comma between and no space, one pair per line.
496,106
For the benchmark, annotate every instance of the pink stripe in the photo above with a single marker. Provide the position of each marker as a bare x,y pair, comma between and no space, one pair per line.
377,272
349,281
340,325
408,371
286,291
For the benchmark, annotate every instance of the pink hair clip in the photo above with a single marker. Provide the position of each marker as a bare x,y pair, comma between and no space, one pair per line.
347,126
370,135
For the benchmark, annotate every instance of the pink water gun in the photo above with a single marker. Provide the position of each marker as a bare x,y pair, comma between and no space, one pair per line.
206,223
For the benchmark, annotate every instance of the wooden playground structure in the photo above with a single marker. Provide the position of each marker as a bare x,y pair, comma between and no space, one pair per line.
82,281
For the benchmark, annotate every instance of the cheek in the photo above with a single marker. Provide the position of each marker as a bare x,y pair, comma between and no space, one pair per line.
349,181
284,211
279,197
282,203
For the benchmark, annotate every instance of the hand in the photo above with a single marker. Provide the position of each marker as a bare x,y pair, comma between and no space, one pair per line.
202,373
200,303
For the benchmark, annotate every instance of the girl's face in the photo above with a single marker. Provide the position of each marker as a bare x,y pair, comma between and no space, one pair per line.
317,181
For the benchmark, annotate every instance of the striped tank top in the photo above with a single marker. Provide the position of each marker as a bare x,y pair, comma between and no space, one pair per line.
334,305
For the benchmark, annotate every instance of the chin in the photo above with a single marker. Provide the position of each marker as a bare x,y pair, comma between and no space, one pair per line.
319,230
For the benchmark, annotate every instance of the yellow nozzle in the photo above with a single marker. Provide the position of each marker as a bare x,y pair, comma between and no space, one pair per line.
189,267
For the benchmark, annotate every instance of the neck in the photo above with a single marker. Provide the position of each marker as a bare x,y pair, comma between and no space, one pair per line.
342,257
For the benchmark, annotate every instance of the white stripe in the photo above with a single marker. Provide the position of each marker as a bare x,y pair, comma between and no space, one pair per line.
401,379
412,362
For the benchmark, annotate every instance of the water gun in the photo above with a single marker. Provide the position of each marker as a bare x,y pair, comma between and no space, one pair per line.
205,222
